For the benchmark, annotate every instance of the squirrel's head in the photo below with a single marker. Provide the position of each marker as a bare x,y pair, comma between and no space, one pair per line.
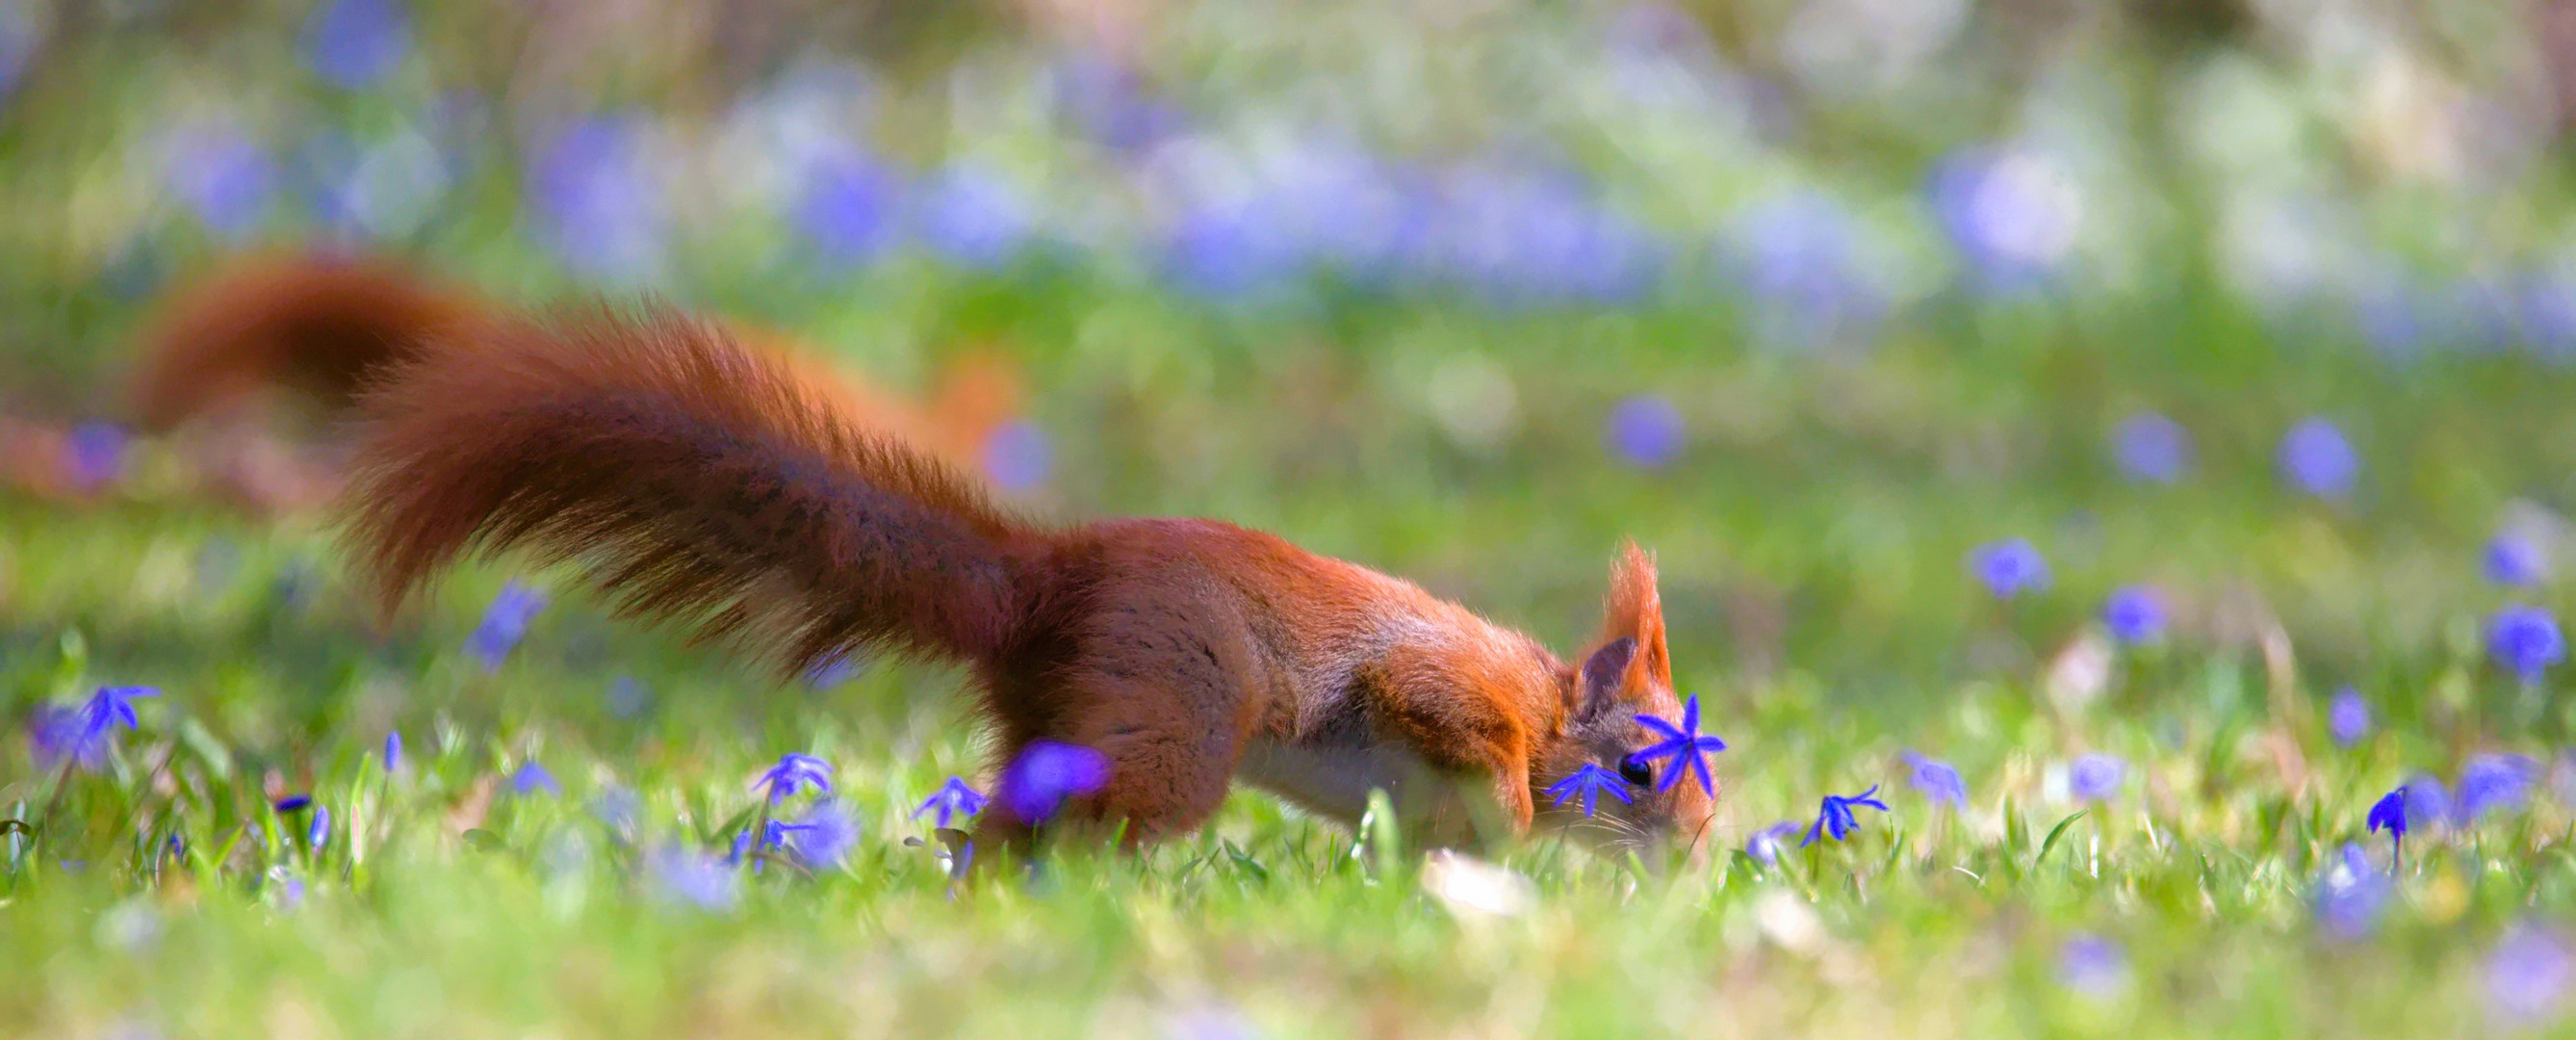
1628,672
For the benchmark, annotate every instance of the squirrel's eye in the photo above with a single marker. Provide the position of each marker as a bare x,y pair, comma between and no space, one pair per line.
1635,770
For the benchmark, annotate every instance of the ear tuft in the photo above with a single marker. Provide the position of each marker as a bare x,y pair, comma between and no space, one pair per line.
1635,610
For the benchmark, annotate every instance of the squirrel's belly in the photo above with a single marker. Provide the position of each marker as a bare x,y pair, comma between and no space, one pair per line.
1334,779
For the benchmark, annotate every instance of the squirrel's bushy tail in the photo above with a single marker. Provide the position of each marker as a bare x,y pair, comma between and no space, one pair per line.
320,325
694,481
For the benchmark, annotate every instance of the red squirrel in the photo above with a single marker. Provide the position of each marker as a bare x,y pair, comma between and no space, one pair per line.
320,327
704,484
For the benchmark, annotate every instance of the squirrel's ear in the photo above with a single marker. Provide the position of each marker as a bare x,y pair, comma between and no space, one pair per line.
1635,610
1605,671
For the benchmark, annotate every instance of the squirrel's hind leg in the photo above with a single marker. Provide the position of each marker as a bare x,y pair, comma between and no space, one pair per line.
1172,730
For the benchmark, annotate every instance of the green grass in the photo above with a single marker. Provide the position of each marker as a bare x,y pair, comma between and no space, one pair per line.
1813,541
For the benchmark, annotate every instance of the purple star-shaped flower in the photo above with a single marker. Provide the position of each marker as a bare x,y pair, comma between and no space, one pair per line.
1938,781
684,875
2350,896
793,773
774,834
81,734
504,623
1588,783
1046,773
1764,845
110,707
2514,561
2526,640
1836,817
953,799
823,836
2010,567
1685,745
532,778
2390,814
54,731
2348,718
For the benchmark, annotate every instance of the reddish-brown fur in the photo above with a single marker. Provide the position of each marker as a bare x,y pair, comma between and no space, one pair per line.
322,327
315,325
700,482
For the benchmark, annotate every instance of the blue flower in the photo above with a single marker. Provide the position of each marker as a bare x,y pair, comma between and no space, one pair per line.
1684,745
2350,895
1938,781
2317,459
2426,801
625,697
1018,456
531,778
598,199
618,807
824,836
2389,814
95,454
2095,778
1797,258
1037,783
223,176
684,875
2151,447
20,37
1103,100
353,44
393,750
1227,251
971,217
1645,431
793,773
54,734
110,707
290,887
504,623
2491,782
2013,214
847,211
2348,717
318,833
2010,568
1836,816
774,835
2135,614
1589,782
2525,640
2514,561
293,803
82,735
952,801
2528,974
842,666
1764,845
1516,235
2092,965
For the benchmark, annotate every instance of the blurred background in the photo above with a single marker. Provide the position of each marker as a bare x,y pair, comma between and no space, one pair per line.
2264,304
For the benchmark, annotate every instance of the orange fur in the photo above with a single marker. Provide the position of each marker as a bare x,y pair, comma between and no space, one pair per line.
699,482
312,325
322,328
